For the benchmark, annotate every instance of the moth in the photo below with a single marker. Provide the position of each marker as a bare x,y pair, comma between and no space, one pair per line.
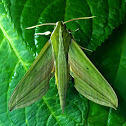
62,56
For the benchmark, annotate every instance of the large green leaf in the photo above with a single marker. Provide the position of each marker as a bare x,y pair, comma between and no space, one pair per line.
18,48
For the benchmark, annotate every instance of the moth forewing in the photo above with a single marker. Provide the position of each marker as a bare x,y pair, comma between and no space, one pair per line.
35,82
88,80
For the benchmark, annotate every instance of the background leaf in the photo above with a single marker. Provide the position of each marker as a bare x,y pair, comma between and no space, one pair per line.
19,47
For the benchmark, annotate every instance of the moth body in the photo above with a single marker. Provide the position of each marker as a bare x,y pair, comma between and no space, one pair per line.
60,47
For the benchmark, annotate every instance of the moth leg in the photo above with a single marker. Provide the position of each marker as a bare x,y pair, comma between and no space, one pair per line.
71,73
44,33
85,49
76,30
73,31
55,82
52,72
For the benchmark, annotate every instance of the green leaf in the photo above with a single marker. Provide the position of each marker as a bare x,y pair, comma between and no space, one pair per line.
111,59
18,48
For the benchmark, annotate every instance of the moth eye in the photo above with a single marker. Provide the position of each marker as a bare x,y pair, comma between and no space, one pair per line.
87,68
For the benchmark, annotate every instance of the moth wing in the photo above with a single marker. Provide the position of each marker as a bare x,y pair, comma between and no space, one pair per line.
88,80
35,82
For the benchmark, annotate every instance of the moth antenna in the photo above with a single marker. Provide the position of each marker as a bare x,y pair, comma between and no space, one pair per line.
40,25
78,19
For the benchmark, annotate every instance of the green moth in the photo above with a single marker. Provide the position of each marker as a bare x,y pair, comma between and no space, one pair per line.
62,56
